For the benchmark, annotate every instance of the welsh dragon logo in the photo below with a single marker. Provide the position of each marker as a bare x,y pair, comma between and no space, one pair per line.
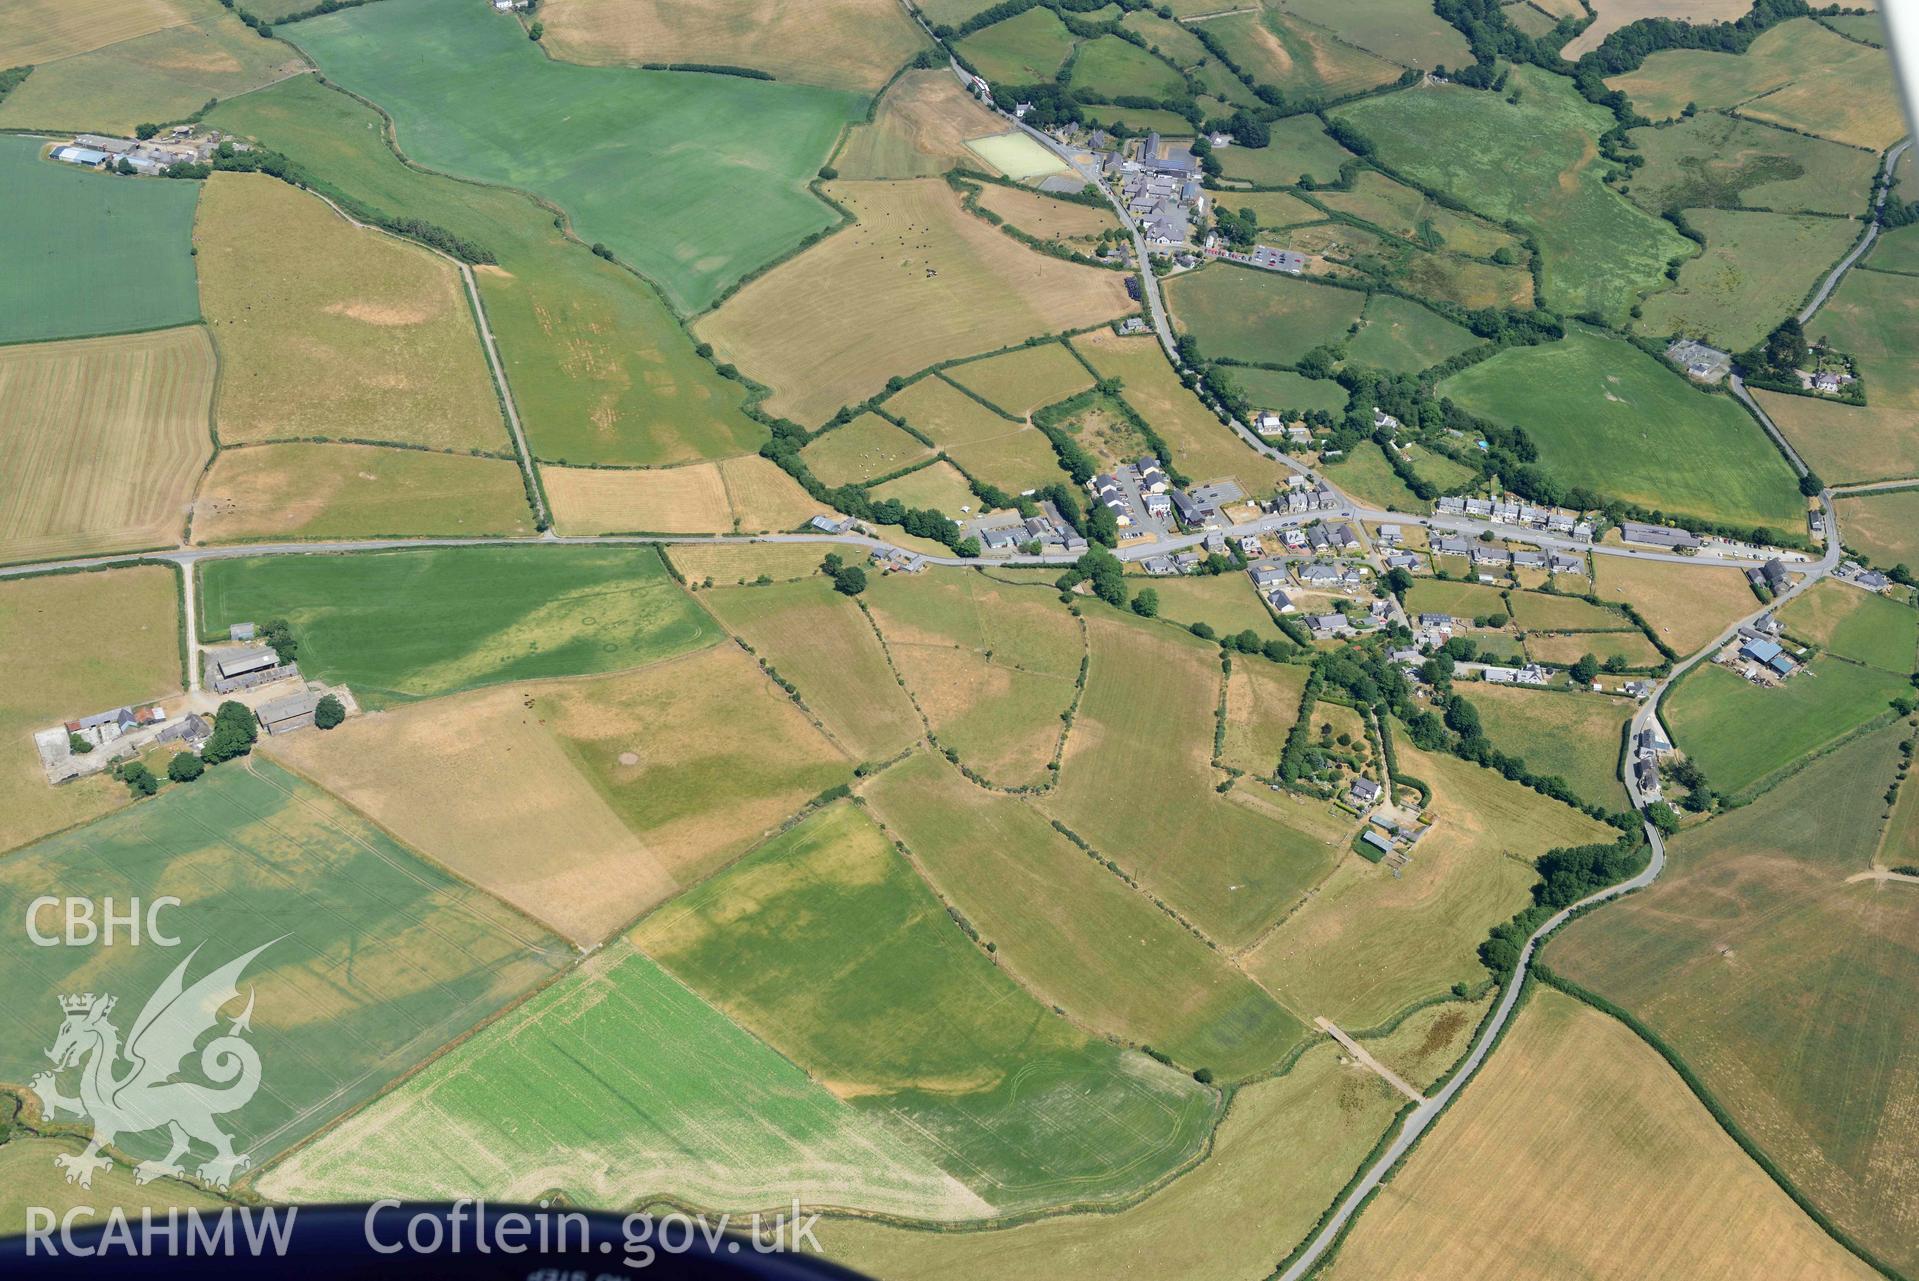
134,1087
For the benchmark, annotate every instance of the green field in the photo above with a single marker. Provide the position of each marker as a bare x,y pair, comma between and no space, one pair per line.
1077,934
991,665
727,155
373,958
600,370
1787,990
1613,419
1575,736
1565,614
29,1180
1303,61
828,945
648,1088
1225,602
1716,161
1369,943
1854,624
136,272
1742,735
1534,164
1437,469
1282,389
1249,314
1403,337
1461,600
1405,31
1756,270
1137,785
1639,653
1022,50
1296,145
191,50
1113,68
411,624
1896,250
1366,475
1025,379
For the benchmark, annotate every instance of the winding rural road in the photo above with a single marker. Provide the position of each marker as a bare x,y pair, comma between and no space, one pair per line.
1873,228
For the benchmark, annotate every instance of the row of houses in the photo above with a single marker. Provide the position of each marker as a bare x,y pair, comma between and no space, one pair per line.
1509,512
1047,528
1493,556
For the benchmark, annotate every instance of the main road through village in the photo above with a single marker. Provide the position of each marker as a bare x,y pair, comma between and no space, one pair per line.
1423,1116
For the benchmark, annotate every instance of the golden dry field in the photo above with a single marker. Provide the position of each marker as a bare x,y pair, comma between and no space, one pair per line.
298,490
583,802
919,129
1848,444
737,495
1047,218
101,441
326,329
1614,14
732,564
916,280
37,31
1579,1152
72,645
1021,381
1686,605
841,44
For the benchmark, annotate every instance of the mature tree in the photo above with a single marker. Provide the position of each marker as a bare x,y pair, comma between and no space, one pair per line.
279,634
850,581
78,746
139,779
1810,484
329,712
234,733
1616,663
1585,669
1462,717
185,767
1661,816
1146,603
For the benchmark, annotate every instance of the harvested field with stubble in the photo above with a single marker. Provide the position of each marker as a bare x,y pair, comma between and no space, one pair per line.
916,280
373,959
1369,943
1581,1152
1074,933
827,943
327,329
991,665
747,495
819,640
104,441
736,563
37,31
1329,1112
643,1090
298,490
919,129
30,1181
841,44
583,803
1137,784
1787,989
74,644
1685,605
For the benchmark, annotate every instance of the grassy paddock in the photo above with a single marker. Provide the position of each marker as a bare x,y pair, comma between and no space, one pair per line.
1713,160
1685,605
1854,624
411,624
1742,735
1021,381
915,281
325,329
828,944
862,450
1756,268
1608,416
356,491
1260,315
738,495
600,370
1784,988
1575,736
104,441
1882,527
1535,164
